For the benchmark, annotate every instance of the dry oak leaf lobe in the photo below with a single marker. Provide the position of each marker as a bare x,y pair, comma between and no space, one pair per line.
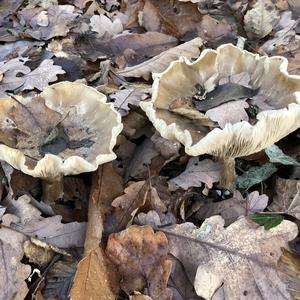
141,256
242,257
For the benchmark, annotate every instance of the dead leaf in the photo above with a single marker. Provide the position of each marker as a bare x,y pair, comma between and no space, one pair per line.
216,32
160,62
153,219
53,232
289,265
141,257
23,208
40,252
167,148
12,272
140,297
9,71
103,25
180,284
59,280
139,164
259,20
122,98
282,37
142,46
137,195
243,257
287,197
197,172
8,7
95,279
57,23
40,77
235,207
91,278
230,112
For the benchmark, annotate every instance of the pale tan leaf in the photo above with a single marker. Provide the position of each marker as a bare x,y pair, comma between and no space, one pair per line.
197,172
241,258
230,112
160,62
259,20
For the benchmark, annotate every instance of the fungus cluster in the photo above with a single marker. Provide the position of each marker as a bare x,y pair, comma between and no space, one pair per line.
66,130
183,93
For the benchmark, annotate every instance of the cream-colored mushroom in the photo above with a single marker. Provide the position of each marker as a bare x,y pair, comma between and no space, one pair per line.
269,74
67,130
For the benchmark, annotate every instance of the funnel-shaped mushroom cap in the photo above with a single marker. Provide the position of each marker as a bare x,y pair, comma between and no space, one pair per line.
269,74
68,129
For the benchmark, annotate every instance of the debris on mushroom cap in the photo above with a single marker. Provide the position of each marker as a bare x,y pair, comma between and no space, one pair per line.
68,129
268,74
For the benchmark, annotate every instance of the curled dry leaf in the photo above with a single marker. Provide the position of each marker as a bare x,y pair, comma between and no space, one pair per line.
197,172
287,197
242,257
40,252
141,257
259,20
12,272
160,62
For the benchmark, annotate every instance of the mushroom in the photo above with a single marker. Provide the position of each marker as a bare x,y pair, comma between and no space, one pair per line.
191,127
66,130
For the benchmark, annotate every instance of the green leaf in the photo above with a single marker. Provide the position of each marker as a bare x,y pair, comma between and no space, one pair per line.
267,220
276,155
255,175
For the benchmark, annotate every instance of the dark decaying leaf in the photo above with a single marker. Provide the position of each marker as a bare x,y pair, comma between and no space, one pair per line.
255,175
276,155
59,279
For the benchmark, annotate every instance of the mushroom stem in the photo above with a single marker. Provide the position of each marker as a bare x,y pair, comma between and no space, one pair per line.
227,179
53,189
